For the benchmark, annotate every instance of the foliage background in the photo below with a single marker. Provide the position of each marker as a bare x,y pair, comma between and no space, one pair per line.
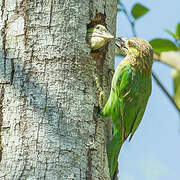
153,153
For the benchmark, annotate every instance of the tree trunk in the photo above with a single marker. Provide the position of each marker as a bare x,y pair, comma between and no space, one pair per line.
49,115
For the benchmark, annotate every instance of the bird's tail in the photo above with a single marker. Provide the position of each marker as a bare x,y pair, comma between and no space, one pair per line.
113,153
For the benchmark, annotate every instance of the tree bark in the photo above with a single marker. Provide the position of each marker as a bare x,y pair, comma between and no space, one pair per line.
49,115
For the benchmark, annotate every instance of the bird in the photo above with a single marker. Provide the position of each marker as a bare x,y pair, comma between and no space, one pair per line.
130,90
98,36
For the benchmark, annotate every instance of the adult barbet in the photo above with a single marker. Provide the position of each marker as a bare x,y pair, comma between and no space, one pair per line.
130,91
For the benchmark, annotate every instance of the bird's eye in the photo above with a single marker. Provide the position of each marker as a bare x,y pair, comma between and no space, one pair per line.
130,44
97,27
122,43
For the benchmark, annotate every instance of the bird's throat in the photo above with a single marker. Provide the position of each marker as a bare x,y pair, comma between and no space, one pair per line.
133,52
139,63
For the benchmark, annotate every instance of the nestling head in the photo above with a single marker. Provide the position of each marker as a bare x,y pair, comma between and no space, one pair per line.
100,31
98,36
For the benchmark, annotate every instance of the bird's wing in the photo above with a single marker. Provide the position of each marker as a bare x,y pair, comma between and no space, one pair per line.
142,99
122,86
137,120
132,92
112,103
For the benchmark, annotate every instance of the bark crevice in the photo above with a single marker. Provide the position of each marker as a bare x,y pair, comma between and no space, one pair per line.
26,21
88,172
12,71
2,8
3,34
1,119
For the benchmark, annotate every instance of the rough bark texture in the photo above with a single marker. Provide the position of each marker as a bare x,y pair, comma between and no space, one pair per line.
49,125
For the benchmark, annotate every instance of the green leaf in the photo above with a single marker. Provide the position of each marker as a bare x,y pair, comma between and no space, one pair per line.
161,45
118,1
178,31
171,33
138,10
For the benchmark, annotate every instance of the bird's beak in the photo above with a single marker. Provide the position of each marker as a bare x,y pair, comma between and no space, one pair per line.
121,42
105,35
121,46
108,35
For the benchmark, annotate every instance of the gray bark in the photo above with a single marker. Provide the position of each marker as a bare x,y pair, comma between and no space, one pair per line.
49,119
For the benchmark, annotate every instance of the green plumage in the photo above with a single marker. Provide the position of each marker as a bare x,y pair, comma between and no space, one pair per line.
130,90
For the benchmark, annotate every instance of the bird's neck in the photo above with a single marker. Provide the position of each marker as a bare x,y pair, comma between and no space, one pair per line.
141,64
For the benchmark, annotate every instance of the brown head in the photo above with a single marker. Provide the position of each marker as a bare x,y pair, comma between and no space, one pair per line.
138,52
